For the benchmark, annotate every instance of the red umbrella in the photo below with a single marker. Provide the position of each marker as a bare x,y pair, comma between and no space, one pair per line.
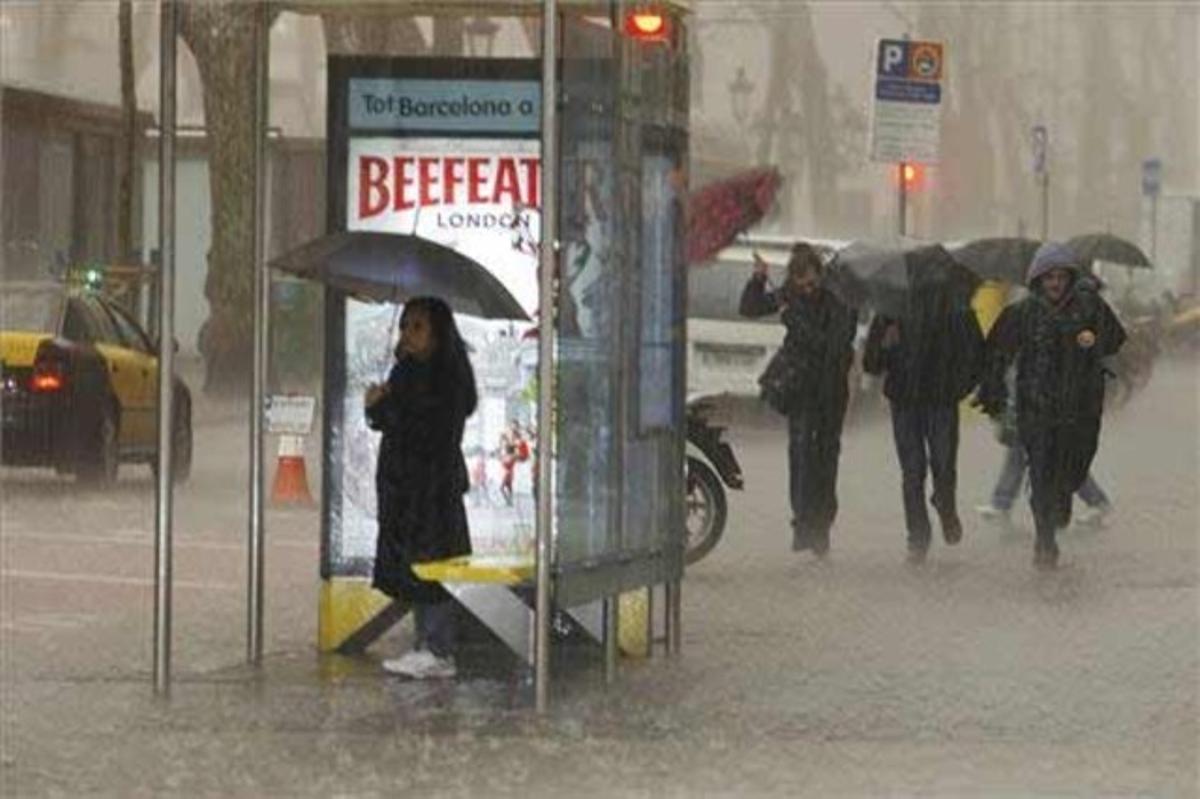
719,211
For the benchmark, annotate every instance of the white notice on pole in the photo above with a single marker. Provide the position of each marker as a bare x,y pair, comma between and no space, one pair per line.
906,111
290,415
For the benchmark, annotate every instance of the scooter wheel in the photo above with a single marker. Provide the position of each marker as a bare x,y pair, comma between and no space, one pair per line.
705,510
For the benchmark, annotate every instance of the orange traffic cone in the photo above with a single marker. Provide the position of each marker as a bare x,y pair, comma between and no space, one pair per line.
291,479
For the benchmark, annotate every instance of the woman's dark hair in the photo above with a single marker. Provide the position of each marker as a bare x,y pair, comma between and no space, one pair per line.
804,259
452,372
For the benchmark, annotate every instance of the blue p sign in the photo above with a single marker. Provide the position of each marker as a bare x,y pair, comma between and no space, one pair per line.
893,58
1152,177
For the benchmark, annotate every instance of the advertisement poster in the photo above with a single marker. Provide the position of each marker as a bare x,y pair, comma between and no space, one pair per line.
477,196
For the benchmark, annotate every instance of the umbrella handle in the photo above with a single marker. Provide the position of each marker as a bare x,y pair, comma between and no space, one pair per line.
388,339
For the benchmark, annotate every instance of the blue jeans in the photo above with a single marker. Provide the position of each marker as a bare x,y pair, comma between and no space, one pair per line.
437,627
926,441
1012,475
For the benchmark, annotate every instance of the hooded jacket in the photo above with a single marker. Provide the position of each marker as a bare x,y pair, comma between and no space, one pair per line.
1059,381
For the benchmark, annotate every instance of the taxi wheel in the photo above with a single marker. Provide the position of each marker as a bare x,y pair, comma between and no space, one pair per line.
98,460
181,443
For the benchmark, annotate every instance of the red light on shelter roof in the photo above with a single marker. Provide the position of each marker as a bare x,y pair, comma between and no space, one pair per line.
910,173
646,24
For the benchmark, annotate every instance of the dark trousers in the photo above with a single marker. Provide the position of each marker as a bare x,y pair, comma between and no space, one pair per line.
437,627
1012,474
926,441
814,445
1059,455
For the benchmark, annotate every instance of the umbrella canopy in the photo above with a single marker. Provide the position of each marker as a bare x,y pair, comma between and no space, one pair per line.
1004,259
393,267
888,279
1107,247
717,212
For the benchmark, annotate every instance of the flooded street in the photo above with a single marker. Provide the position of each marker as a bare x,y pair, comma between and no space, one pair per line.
860,675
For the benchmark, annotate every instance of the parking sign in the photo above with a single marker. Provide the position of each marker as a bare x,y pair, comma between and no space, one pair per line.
1152,177
906,108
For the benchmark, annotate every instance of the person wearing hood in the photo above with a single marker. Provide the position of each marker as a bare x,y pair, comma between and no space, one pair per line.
813,389
421,476
932,357
1012,470
1058,337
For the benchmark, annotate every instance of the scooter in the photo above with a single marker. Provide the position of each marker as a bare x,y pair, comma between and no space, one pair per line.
710,468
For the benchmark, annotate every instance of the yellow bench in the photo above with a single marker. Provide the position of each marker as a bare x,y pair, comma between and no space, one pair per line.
499,569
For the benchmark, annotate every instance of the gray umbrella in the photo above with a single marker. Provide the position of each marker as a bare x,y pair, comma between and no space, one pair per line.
1107,247
394,267
1004,259
887,278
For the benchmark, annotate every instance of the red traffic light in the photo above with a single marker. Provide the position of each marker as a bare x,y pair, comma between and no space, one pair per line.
646,24
912,175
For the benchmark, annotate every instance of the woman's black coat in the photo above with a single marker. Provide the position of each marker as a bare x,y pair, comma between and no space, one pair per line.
420,477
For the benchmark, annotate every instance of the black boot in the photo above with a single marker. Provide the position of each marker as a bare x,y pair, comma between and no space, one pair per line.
801,538
1045,549
952,529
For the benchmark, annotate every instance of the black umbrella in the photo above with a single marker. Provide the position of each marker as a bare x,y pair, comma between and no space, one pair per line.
393,267
1107,247
888,279
1003,259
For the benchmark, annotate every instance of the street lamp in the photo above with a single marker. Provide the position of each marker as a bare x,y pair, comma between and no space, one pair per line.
481,36
740,89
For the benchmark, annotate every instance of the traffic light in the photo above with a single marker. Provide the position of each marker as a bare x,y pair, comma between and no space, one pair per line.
647,24
912,176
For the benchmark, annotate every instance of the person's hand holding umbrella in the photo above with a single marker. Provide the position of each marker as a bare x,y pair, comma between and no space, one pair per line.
374,393
760,266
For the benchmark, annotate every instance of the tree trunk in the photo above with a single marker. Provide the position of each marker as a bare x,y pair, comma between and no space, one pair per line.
222,36
819,147
127,163
448,36
348,33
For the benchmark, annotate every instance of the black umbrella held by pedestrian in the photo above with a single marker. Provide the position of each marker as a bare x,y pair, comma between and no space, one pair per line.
1092,247
888,279
393,267
1002,259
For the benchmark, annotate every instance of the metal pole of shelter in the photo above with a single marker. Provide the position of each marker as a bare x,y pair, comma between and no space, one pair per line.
166,349
903,181
262,297
547,260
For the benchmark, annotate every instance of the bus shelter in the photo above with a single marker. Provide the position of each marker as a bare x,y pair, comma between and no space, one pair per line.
575,207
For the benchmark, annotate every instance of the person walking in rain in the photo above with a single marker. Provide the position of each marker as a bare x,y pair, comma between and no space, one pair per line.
421,476
1012,474
1012,470
1058,336
817,352
932,358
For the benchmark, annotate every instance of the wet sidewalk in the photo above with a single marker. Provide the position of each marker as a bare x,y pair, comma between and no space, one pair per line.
859,676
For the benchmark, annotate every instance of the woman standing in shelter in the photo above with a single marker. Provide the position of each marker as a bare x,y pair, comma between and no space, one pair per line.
421,476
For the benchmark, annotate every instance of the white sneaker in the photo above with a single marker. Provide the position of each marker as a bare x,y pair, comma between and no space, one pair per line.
422,665
991,513
1093,516
404,663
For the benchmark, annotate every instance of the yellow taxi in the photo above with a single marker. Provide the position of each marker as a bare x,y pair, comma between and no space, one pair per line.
79,385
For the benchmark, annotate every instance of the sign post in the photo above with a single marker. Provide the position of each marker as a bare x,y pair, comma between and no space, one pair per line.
1152,188
906,108
1040,138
